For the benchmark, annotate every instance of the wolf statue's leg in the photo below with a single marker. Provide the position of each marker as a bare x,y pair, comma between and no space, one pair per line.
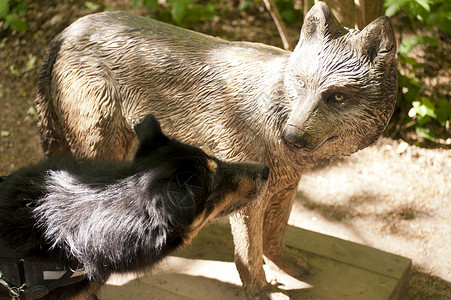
275,224
247,228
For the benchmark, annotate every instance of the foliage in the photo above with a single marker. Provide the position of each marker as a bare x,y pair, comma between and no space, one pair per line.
181,12
286,9
92,5
421,110
12,14
429,12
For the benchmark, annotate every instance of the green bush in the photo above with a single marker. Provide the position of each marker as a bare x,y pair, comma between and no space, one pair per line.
430,13
181,12
421,111
12,14
286,9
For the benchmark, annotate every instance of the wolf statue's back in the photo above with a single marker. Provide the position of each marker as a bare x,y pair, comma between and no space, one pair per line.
332,96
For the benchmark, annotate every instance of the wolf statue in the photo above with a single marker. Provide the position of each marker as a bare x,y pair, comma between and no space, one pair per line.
330,97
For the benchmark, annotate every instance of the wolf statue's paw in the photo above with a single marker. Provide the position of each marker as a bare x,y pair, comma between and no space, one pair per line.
270,293
287,263
254,285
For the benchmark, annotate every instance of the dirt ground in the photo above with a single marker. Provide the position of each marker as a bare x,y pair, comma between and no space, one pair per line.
390,196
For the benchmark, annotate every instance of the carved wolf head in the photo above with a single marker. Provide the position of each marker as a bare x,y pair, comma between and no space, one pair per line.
342,85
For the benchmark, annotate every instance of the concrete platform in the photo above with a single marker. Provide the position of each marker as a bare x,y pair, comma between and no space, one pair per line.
205,270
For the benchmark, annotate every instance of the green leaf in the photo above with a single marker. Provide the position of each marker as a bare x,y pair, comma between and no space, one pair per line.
443,111
4,133
209,12
425,133
136,3
424,108
20,8
91,5
421,121
410,87
419,109
430,40
289,16
194,13
393,7
411,61
428,107
15,23
442,18
31,111
424,4
443,103
4,8
197,12
406,45
31,63
245,4
151,4
445,26
409,42
18,25
178,11
14,70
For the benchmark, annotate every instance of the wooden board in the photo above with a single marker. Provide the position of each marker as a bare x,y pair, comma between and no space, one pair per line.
347,270
205,270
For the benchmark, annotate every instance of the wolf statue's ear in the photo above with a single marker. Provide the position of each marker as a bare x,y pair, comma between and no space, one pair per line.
377,39
150,136
320,22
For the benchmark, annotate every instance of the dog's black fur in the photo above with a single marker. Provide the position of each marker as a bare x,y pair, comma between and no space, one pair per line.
120,216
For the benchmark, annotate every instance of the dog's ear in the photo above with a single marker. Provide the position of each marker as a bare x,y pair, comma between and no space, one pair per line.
150,136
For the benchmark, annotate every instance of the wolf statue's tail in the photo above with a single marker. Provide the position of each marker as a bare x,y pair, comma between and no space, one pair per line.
53,141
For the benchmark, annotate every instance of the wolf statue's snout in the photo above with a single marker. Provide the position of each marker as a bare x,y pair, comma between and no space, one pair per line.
292,137
300,139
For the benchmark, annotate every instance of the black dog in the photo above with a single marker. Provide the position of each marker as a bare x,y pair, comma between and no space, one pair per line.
67,224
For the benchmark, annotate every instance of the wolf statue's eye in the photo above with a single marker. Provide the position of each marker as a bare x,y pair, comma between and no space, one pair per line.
339,97
301,82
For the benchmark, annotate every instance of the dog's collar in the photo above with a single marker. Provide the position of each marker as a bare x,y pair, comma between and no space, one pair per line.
32,279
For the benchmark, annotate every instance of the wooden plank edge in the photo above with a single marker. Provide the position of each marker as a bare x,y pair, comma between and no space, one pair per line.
357,255
401,288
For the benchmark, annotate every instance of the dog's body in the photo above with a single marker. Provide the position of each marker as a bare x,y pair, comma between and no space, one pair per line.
247,101
119,216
